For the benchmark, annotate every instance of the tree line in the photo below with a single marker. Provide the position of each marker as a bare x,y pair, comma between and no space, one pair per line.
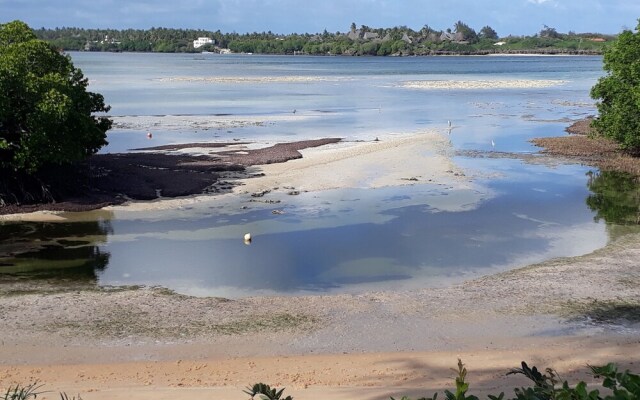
359,41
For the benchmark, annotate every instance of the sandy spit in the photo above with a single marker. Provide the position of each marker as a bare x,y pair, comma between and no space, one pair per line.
252,79
482,84
393,160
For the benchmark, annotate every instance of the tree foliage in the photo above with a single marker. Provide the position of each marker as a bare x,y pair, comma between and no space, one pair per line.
618,93
488,32
46,113
468,34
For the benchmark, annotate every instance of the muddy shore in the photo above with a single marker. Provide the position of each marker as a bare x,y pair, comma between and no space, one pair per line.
164,172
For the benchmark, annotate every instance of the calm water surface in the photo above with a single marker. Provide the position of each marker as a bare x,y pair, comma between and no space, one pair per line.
340,240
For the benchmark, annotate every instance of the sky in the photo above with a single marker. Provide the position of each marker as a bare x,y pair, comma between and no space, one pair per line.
507,17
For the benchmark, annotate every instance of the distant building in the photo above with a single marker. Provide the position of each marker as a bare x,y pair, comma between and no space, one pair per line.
370,36
499,43
354,35
597,39
201,41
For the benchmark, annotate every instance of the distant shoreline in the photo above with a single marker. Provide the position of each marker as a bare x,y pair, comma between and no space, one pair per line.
523,53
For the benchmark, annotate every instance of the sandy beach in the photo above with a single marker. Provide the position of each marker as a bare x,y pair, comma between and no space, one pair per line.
152,343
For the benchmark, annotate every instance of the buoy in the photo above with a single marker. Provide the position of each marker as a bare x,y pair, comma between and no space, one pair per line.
149,135
247,238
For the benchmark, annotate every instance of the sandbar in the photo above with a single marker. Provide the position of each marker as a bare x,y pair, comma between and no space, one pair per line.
252,79
482,84
422,157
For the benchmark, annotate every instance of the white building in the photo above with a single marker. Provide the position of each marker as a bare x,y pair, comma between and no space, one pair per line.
201,41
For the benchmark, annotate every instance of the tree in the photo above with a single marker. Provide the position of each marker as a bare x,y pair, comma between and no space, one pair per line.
548,32
487,32
46,113
618,93
468,34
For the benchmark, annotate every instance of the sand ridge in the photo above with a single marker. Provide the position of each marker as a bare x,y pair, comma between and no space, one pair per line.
482,84
422,157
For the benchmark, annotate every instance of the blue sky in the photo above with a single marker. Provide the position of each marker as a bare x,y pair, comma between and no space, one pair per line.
517,17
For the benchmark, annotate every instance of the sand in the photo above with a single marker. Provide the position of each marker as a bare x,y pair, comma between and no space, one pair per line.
252,79
392,160
140,343
482,84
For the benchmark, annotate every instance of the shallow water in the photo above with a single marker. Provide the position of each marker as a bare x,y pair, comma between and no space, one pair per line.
340,240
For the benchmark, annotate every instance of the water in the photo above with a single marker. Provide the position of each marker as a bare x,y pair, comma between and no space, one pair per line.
340,240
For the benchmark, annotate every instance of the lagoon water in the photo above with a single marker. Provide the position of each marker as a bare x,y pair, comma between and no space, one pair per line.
518,212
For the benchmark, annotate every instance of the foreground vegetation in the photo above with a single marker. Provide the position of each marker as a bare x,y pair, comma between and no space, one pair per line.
619,386
461,39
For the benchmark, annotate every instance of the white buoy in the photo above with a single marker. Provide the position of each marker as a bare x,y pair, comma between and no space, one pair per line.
149,135
247,238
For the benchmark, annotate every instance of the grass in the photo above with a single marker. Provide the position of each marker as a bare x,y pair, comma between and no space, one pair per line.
122,323
19,392
618,311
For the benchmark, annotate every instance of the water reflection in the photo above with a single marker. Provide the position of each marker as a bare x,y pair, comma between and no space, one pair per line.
615,197
337,241
71,251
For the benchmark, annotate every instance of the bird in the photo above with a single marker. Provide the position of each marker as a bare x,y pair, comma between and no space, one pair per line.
294,110
449,122
149,135
493,144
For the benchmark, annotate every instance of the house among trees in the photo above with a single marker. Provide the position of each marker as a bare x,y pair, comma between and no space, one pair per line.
201,41
370,36
451,37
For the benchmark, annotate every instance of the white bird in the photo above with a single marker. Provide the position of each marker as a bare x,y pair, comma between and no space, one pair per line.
449,122
493,144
